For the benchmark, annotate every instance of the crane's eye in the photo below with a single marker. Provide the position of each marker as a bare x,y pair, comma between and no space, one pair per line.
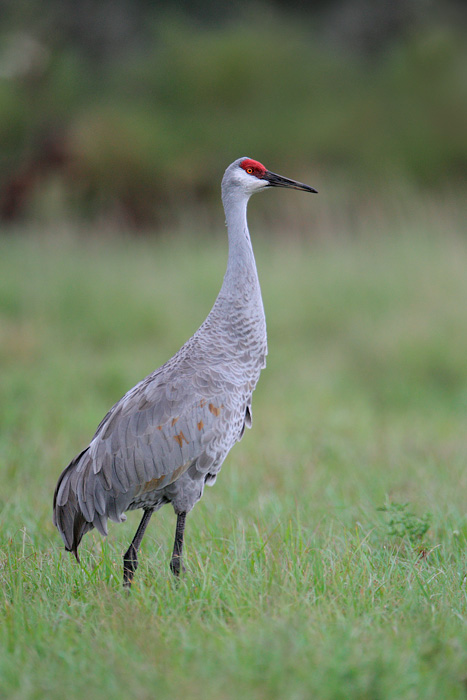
249,171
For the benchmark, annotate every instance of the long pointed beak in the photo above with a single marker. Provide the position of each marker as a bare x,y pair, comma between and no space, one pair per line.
275,180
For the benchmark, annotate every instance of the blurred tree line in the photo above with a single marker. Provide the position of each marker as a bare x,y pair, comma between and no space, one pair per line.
113,108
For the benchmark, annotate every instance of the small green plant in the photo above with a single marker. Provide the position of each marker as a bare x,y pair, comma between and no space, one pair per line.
403,523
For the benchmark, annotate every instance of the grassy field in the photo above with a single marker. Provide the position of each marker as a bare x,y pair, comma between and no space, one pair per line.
298,585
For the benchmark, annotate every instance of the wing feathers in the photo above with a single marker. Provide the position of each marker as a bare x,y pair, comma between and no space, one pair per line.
119,480
152,436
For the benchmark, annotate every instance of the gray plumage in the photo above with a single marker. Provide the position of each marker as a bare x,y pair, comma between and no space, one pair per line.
169,435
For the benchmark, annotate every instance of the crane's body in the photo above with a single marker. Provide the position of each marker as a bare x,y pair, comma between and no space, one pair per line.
169,435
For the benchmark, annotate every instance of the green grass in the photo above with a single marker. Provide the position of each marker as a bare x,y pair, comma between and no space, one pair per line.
298,585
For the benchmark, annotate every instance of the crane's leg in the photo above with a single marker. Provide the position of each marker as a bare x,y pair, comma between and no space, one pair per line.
130,558
176,563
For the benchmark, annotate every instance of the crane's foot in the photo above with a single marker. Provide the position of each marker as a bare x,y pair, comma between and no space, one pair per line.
130,564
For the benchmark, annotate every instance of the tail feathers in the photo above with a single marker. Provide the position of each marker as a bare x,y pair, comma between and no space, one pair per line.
72,526
68,516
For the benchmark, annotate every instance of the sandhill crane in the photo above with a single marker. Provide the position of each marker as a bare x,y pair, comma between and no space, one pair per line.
169,435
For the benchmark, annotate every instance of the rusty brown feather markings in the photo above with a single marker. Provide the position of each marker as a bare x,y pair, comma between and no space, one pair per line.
180,438
154,483
164,480
215,410
199,421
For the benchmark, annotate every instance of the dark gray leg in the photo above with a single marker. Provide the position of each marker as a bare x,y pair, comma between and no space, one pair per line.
130,558
176,564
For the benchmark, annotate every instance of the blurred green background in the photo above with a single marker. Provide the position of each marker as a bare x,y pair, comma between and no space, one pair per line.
129,111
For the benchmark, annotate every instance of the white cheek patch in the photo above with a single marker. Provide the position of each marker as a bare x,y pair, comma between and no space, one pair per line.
254,183
258,184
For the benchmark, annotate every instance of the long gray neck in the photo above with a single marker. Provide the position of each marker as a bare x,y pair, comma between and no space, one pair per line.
241,277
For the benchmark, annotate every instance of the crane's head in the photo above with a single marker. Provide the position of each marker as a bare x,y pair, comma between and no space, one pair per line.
250,176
